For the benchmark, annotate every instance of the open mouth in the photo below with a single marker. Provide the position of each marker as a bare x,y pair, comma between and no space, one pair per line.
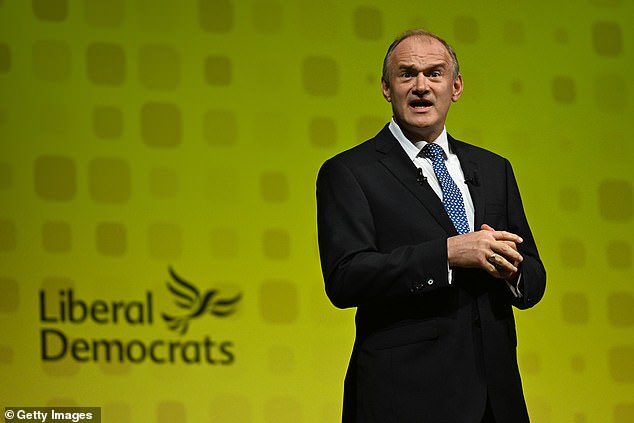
420,104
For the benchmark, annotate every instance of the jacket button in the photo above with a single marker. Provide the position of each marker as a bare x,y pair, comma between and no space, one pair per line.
430,281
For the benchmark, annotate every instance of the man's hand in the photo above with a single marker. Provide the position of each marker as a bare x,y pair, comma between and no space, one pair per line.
487,249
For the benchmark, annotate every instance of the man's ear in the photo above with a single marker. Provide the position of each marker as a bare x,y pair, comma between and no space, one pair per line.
457,88
385,89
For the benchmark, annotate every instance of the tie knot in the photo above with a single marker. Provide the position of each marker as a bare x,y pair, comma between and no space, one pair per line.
433,151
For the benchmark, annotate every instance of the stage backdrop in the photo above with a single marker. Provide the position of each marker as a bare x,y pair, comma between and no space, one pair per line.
157,221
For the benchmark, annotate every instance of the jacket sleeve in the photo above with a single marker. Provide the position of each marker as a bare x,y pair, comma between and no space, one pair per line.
533,279
356,269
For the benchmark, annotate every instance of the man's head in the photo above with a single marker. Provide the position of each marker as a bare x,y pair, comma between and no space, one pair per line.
421,77
419,33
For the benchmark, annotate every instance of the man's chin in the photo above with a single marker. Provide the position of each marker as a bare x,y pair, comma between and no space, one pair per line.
421,122
420,131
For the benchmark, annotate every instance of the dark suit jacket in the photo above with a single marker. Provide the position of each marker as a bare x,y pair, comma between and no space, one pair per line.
425,350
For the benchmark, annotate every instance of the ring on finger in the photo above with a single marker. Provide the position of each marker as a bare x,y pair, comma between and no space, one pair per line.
492,258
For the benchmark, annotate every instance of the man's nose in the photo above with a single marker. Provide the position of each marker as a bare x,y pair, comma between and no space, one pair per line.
420,84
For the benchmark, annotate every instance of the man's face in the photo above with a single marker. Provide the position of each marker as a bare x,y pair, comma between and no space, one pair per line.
421,87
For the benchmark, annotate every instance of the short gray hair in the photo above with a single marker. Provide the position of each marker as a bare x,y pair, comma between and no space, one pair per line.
422,34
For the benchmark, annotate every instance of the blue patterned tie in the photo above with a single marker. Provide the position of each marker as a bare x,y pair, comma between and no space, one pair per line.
451,196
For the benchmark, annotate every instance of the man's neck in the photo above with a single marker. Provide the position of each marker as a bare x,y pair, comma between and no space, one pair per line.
419,134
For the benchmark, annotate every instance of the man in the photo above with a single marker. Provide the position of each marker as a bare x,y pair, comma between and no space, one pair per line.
427,237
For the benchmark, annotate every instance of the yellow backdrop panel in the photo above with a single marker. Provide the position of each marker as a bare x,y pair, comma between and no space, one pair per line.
157,219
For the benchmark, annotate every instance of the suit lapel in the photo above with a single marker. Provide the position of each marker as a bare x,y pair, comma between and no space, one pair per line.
398,163
471,173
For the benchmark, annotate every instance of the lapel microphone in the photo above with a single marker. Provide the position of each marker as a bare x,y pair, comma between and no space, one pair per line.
420,178
473,179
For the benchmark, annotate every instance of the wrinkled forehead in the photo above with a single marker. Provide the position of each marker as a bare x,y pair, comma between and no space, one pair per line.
420,48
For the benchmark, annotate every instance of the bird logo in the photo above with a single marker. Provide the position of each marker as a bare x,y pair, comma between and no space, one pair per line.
195,304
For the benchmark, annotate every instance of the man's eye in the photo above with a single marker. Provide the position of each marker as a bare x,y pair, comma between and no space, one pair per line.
435,74
406,75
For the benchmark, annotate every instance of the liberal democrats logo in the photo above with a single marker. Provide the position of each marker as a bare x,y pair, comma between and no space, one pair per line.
196,304
63,312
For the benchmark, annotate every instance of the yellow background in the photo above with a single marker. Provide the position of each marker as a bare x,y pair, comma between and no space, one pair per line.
137,135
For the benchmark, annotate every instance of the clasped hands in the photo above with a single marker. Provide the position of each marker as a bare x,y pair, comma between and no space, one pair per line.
493,251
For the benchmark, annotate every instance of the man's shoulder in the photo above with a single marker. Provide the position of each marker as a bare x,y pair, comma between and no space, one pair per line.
367,149
358,152
472,151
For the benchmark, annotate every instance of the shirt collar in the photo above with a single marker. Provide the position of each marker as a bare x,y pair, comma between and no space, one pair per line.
412,148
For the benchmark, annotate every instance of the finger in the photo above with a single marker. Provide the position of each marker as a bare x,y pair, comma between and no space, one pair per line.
501,264
507,236
492,270
509,252
501,235
496,267
507,249
495,272
513,257
511,244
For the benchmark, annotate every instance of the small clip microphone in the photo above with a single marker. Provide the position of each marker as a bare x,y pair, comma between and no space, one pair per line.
420,178
473,179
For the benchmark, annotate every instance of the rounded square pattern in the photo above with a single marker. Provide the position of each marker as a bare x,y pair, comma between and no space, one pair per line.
161,125
6,175
159,67
111,238
56,237
276,244
619,254
564,89
171,412
607,38
274,187
165,240
50,10
10,298
106,64
616,200
278,302
236,408
104,13
368,23
109,180
220,127
620,307
51,60
218,70
320,76
575,308
107,122
268,16
164,182
5,57
322,132
225,242
216,16
621,363
55,178
572,253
